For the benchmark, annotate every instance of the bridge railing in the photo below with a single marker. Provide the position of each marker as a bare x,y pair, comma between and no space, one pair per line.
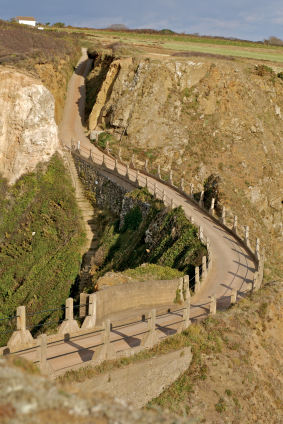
105,347
140,178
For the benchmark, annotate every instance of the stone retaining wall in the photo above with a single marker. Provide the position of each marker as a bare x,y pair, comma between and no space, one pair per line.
133,296
141,382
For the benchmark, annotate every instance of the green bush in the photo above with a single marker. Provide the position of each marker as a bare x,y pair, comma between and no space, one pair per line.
41,237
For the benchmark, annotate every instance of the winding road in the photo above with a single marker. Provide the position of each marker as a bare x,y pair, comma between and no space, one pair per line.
233,266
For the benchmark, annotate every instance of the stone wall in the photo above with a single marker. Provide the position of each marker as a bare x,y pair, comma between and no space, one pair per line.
135,295
141,382
109,194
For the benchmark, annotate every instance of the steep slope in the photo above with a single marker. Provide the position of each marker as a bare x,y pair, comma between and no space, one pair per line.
217,124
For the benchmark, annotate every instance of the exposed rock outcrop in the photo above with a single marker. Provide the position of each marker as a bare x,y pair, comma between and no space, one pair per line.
28,132
30,398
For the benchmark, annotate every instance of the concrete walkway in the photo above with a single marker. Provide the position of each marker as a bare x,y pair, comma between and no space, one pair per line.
232,264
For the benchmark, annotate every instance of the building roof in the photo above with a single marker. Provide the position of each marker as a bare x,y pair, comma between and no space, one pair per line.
25,18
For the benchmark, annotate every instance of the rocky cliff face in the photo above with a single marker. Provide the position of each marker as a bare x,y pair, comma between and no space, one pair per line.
28,132
204,118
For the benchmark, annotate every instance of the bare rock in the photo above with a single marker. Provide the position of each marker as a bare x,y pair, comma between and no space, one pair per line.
28,132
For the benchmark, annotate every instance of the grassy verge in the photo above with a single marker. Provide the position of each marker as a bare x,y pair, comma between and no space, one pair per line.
41,237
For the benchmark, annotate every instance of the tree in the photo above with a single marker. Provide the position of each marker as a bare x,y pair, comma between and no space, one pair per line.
47,23
13,20
275,41
59,25
118,27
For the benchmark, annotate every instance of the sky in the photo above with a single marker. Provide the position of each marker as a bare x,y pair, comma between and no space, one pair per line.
245,19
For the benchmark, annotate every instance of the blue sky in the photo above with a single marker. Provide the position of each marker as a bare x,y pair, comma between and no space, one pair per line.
247,19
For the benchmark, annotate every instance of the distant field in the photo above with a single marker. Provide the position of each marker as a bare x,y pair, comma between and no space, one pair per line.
239,49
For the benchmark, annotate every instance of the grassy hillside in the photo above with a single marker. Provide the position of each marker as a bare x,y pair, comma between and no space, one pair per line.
164,240
41,236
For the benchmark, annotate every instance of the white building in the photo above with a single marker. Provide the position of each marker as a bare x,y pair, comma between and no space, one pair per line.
27,20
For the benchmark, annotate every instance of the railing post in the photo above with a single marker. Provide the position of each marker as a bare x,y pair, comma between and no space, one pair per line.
21,335
155,190
172,203
191,195
209,256
90,319
186,315
119,155
180,287
158,172
107,147
150,338
208,244
186,287
163,197
106,351
79,146
234,295
201,204
146,182
41,355
211,209
247,236
197,282
213,304
223,216
69,325
127,172
146,165
235,224
132,163
203,269
171,177
116,166
137,178
201,233
182,186
257,249
192,219
103,160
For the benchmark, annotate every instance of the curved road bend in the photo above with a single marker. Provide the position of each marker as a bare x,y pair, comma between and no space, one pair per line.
232,265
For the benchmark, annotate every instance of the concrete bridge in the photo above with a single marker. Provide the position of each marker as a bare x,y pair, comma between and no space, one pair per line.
234,263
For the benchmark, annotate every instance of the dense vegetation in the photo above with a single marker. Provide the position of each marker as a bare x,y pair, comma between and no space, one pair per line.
40,241
173,242
23,46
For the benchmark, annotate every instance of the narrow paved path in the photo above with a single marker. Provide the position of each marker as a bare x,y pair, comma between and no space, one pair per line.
232,265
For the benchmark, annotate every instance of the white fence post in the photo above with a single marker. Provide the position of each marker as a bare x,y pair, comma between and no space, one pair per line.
69,325
197,282
90,319
21,335
211,210
158,172
234,295
41,355
235,224
247,236
203,269
201,204
191,195
150,338
223,216
213,304
171,177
